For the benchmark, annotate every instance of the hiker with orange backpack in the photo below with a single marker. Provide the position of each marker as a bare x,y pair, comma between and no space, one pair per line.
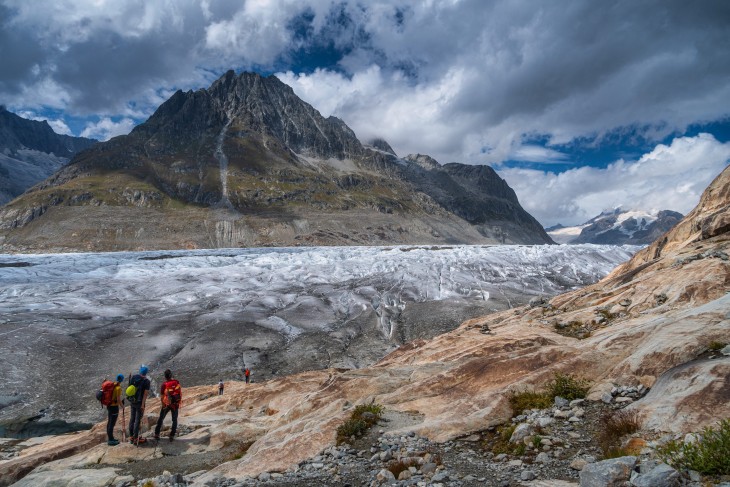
171,397
110,396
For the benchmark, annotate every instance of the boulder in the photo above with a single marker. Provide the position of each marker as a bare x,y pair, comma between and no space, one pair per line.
608,473
522,431
661,476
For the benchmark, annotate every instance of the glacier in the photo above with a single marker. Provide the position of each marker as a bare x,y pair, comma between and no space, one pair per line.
74,319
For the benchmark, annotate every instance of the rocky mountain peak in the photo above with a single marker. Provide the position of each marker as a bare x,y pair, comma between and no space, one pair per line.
251,103
381,145
20,133
426,162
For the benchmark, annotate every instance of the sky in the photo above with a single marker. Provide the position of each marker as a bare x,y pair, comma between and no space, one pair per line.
580,106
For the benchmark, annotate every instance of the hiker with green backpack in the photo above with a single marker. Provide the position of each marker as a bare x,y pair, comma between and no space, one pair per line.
110,395
137,392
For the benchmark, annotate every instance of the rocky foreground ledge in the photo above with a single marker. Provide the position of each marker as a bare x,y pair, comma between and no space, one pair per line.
648,325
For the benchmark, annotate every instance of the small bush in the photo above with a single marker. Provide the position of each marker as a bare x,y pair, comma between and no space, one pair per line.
501,443
574,329
536,440
715,346
709,455
521,400
362,418
613,427
606,314
567,386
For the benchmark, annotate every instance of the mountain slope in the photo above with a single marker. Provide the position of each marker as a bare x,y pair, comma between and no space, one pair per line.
31,151
666,305
247,163
618,227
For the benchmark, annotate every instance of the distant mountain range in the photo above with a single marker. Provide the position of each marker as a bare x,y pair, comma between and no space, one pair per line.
618,227
31,151
247,163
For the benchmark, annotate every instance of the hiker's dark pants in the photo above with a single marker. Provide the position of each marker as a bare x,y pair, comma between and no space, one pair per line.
246,379
220,391
163,413
113,414
135,418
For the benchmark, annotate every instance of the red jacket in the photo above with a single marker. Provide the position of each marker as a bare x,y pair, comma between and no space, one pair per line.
170,389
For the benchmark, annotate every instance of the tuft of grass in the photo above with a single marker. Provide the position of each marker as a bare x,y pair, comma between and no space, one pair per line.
501,443
715,346
567,386
606,314
574,329
614,426
521,400
536,440
709,455
363,417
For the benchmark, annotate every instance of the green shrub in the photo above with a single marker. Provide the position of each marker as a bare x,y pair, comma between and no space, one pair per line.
567,386
363,417
521,400
709,455
536,440
612,427
715,346
501,443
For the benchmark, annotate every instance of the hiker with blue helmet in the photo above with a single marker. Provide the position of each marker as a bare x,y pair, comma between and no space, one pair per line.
137,392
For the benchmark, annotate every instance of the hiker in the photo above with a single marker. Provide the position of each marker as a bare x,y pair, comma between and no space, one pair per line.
171,397
137,392
220,388
247,374
113,410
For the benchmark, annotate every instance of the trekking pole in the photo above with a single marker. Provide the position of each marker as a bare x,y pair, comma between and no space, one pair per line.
124,425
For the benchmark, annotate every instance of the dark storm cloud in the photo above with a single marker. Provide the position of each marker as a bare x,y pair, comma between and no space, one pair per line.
471,79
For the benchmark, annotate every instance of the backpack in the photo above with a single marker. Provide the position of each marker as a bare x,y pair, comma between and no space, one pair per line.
106,393
134,391
172,396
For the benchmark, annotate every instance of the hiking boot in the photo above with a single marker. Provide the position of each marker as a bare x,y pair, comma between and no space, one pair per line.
132,440
157,437
171,437
112,442
141,441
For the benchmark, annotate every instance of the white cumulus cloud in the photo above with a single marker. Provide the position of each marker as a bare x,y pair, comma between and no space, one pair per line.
670,177
106,128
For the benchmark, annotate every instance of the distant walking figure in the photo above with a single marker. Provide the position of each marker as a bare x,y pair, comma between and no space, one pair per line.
171,397
220,388
247,374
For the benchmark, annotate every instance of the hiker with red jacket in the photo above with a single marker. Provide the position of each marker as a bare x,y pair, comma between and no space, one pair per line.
171,397
247,374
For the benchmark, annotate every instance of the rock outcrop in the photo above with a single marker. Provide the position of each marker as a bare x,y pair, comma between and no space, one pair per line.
249,155
659,311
